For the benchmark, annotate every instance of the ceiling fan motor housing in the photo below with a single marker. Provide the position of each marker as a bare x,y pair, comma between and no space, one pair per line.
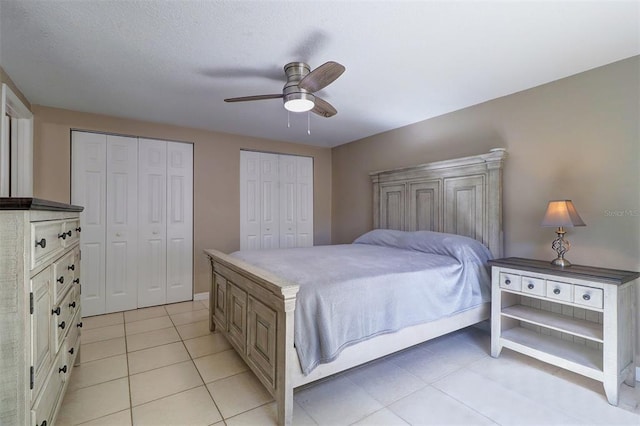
296,71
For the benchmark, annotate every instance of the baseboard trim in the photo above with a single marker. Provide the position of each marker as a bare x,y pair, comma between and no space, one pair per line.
201,296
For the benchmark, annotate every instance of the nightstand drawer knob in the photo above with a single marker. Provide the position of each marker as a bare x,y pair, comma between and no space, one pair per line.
556,291
507,281
586,297
530,286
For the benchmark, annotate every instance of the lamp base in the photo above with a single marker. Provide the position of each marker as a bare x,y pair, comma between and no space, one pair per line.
561,261
561,246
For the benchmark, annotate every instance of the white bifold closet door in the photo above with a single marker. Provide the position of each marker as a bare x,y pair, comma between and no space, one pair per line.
276,200
166,211
137,237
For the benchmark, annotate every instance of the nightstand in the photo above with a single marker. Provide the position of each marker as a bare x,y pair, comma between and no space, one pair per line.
579,318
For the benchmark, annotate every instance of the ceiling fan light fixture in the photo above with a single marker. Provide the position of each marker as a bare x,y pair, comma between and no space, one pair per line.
299,102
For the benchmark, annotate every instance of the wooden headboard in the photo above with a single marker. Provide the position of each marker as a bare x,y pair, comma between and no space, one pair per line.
461,196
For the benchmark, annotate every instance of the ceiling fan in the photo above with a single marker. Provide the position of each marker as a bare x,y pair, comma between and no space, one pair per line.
302,83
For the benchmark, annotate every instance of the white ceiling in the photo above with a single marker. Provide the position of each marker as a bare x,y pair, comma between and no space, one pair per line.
175,61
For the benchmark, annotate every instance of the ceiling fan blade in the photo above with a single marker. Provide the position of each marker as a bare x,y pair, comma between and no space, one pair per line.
323,108
254,98
321,77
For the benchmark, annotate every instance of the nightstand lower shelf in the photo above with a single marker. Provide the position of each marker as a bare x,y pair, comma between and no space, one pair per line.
571,356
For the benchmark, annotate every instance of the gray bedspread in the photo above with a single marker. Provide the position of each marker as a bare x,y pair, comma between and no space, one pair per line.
385,281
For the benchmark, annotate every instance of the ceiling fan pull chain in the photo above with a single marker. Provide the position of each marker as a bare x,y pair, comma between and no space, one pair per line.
288,119
309,123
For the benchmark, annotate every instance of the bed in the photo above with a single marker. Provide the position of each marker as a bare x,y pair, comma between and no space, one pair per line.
256,308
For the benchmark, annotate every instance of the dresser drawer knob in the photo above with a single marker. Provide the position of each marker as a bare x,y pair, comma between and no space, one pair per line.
72,304
56,311
556,291
507,281
42,243
530,286
586,297
76,281
44,423
79,229
63,235
61,279
62,325
79,324
71,351
62,370
71,267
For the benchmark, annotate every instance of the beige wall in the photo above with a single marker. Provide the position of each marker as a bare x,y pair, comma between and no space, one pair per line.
216,174
576,138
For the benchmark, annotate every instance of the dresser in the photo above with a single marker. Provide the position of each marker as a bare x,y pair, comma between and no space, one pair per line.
39,307
579,318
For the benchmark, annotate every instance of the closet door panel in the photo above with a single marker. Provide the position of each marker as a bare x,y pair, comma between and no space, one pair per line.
288,200
179,222
152,223
249,200
276,201
88,189
122,224
269,180
304,202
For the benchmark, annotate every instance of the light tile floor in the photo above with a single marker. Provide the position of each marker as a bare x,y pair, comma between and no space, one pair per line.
162,366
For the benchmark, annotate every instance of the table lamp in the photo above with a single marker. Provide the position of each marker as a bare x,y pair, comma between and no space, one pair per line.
561,214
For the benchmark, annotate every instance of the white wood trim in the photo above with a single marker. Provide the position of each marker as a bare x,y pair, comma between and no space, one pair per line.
5,160
201,296
20,165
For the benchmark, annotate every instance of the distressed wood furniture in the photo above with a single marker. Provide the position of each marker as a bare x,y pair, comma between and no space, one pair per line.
255,309
579,318
39,307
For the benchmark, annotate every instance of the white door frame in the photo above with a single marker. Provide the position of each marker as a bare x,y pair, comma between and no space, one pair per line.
17,166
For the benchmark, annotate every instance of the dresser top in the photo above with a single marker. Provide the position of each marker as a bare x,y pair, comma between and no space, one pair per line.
591,273
24,203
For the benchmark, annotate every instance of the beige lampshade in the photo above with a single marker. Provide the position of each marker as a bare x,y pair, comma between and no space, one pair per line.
562,213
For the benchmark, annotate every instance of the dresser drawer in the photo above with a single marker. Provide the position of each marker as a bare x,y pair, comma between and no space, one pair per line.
63,275
587,296
559,291
510,281
535,286
46,240
71,232
62,322
72,344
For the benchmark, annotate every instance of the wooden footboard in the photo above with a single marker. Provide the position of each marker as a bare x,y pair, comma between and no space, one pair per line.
254,310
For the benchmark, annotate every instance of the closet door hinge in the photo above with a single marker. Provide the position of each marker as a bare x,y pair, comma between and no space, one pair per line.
31,304
31,377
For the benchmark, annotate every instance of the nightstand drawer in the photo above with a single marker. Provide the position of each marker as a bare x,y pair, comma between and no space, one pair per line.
588,296
534,286
510,281
560,291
